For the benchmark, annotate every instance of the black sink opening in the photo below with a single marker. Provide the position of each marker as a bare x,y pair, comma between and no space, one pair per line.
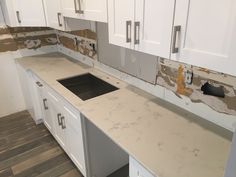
87,86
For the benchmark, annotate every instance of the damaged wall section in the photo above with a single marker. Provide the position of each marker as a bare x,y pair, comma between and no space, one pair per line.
171,75
82,41
13,39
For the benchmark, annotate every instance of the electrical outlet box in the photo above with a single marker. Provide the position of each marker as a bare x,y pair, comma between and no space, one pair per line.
188,77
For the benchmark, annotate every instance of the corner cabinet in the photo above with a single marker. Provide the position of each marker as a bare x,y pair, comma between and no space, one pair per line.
204,34
145,26
23,13
94,10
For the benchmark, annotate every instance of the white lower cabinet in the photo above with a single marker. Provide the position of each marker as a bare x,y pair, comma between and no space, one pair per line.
74,136
65,125
59,122
93,153
137,170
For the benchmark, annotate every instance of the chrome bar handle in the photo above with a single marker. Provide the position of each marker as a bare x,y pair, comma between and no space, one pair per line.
136,32
59,19
59,119
44,104
63,122
176,30
80,7
75,4
18,16
128,31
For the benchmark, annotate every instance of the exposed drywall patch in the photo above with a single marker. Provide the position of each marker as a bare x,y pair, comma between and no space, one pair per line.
11,41
171,76
85,33
81,41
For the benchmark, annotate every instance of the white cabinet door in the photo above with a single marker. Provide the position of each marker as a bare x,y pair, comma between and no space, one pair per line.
153,26
9,12
69,9
120,22
207,37
35,92
30,13
85,9
95,10
75,140
58,120
54,16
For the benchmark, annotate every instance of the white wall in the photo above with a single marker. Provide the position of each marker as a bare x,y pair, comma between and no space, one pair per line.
11,98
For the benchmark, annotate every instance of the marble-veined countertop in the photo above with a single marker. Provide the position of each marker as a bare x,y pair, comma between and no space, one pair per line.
165,139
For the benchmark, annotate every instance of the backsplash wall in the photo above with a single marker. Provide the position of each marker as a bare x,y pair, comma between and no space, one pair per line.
169,74
82,41
151,69
163,72
13,39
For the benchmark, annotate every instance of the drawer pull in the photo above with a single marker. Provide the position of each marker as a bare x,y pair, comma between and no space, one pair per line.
39,84
59,119
44,104
63,122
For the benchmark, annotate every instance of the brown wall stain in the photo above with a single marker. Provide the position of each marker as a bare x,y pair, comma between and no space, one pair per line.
85,33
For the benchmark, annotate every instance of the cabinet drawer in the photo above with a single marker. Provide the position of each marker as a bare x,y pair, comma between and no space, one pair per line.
137,170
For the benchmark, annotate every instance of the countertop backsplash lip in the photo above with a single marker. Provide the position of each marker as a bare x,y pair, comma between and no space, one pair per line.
143,131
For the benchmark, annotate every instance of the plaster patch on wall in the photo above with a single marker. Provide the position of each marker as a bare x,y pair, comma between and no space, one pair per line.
171,76
12,41
82,41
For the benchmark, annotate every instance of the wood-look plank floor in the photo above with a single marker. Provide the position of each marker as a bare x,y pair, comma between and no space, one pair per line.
27,150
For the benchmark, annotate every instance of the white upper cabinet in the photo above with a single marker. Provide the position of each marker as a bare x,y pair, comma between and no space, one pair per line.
9,12
142,25
205,34
153,26
54,16
120,22
94,10
24,12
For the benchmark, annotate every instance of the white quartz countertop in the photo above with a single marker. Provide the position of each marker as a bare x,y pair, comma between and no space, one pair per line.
166,140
